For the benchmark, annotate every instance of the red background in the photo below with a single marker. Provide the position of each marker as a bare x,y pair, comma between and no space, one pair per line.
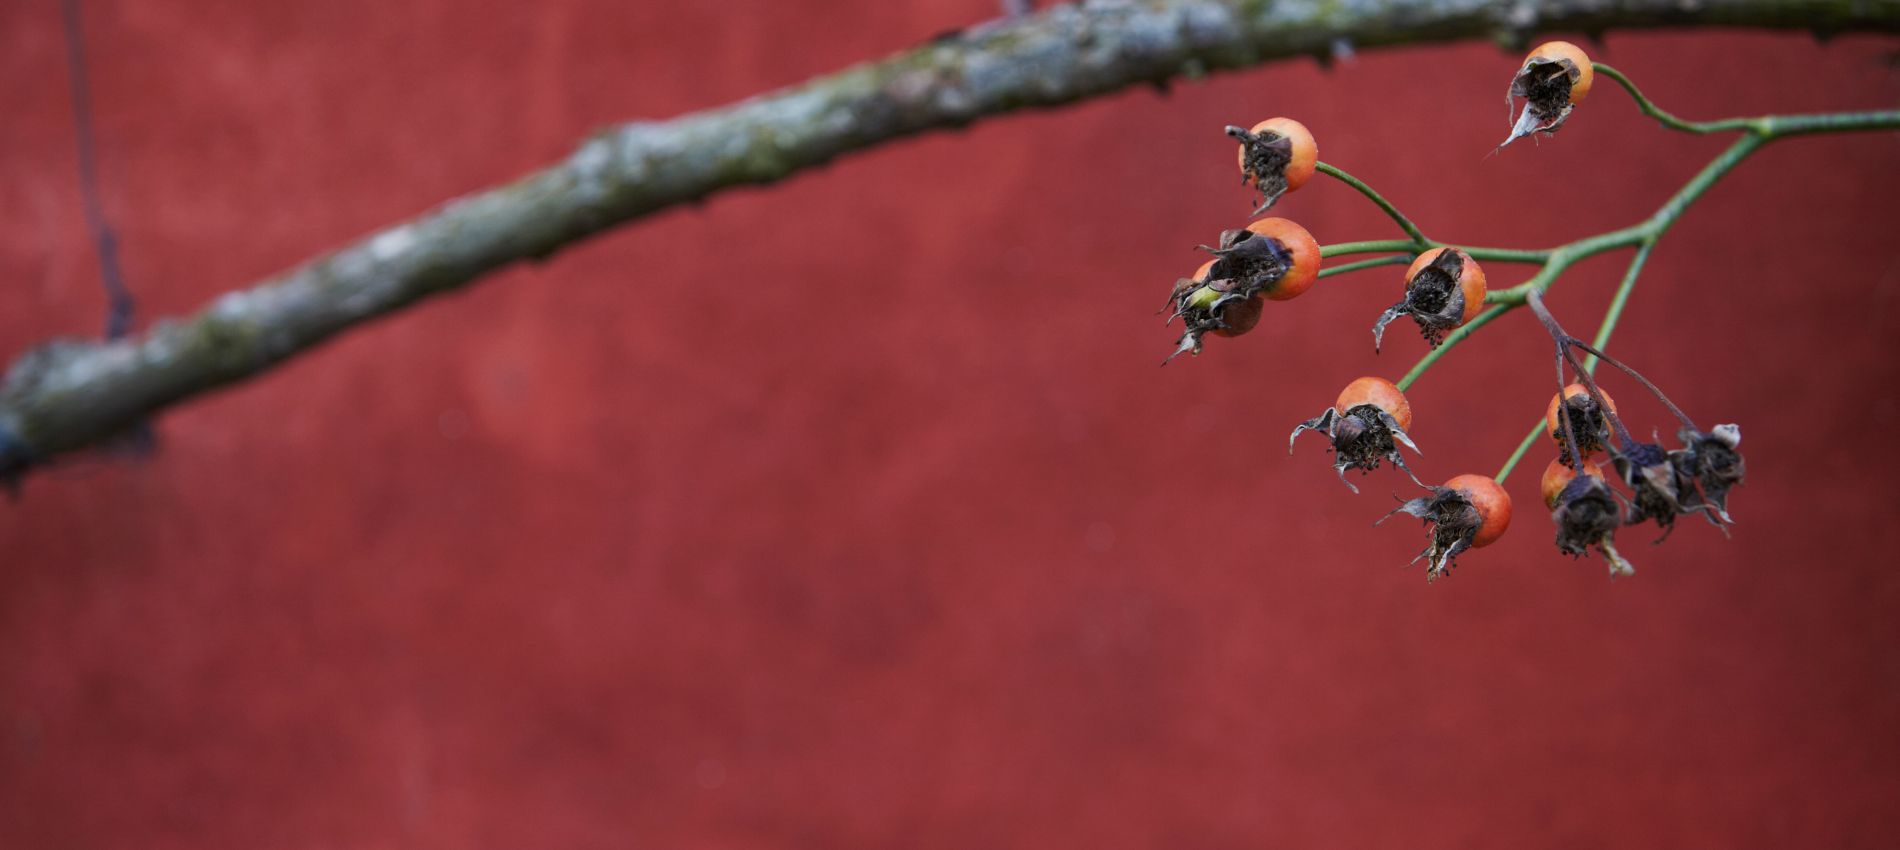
854,512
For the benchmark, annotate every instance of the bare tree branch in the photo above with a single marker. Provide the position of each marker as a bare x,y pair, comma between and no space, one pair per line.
66,395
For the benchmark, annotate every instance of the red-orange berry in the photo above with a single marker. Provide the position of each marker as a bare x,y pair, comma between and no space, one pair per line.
1444,288
1276,156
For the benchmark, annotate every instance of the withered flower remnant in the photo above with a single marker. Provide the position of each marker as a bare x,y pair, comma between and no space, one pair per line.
1586,513
1444,288
1366,424
1692,479
1657,494
1554,78
1277,156
1273,259
1589,422
1468,512
1713,460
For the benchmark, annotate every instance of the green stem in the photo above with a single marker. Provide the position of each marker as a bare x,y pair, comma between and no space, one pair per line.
1377,246
1766,126
1617,303
1451,340
1405,224
1504,255
1522,447
1394,260
1411,249
1419,243
1781,126
1672,122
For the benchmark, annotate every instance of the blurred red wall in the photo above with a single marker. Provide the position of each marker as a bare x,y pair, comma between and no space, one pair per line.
853,512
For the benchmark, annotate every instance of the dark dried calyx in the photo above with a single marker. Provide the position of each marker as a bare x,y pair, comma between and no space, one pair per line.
1645,467
1545,87
1693,479
1361,438
1264,157
1433,299
1454,521
1713,461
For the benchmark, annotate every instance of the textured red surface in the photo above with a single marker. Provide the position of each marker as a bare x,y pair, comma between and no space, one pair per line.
854,512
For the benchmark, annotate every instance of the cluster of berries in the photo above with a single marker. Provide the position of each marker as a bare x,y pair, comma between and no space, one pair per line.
1274,259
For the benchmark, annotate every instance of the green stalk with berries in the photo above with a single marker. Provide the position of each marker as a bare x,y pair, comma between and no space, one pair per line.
1447,296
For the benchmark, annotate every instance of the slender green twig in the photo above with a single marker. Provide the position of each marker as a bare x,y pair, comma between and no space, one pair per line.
1376,246
1405,224
1381,246
1451,339
1672,122
1505,255
1419,242
1394,260
1523,446
1619,301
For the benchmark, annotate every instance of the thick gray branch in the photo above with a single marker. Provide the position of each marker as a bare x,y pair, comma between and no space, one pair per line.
69,394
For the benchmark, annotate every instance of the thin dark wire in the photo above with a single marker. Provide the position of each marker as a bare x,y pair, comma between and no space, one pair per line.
119,304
